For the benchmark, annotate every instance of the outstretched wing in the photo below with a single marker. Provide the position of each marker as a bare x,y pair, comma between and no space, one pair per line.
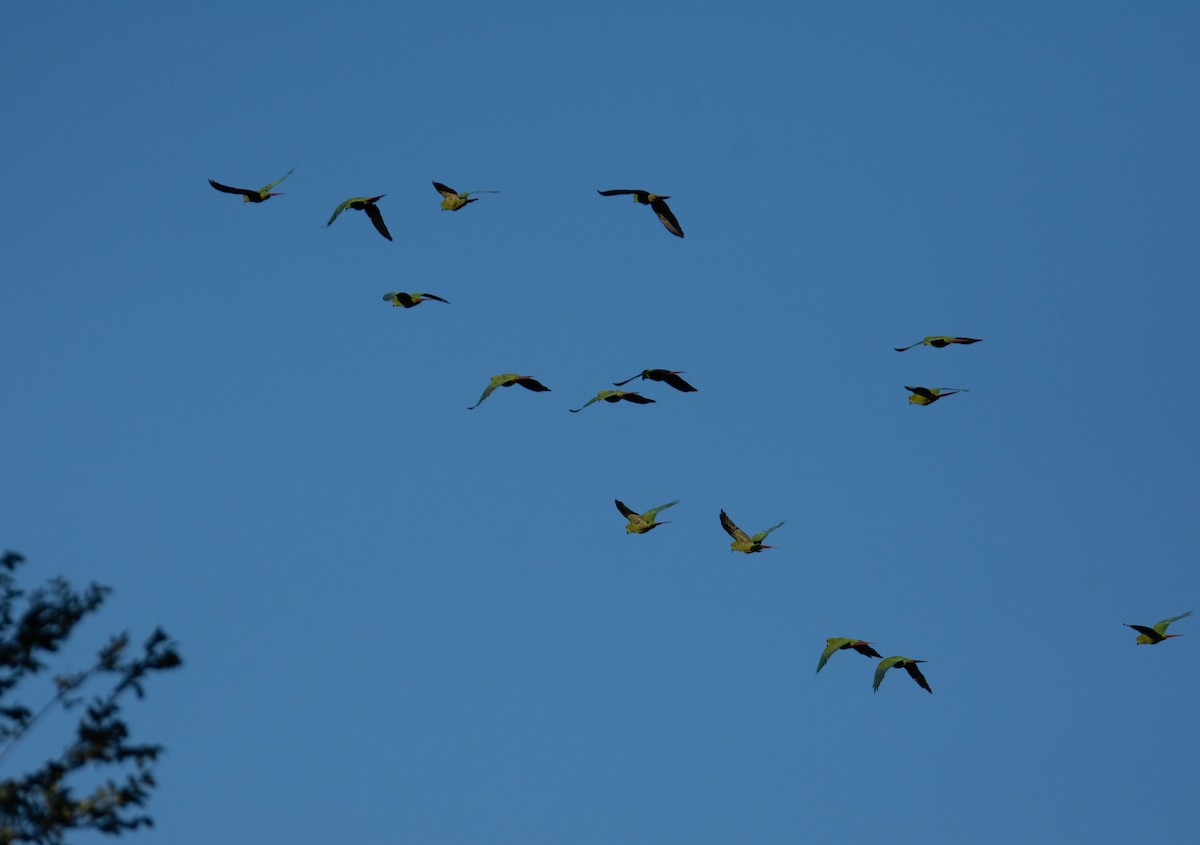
762,535
399,298
923,392
487,391
882,668
228,190
668,219
618,192
906,348
1161,627
916,675
865,649
732,530
341,207
1149,633
530,384
676,382
377,218
650,514
595,398
433,296
444,190
831,645
625,510
637,399
271,185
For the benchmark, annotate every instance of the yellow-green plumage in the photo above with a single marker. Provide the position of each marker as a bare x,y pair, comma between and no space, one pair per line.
1155,635
452,200
408,300
613,396
905,663
835,644
248,195
929,395
742,542
640,523
508,380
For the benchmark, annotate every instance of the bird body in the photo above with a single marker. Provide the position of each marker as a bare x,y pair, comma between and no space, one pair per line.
452,200
670,377
641,523
366,204
906,663
508,380
938,342
742,542
408,300
248,195
929,395
1155,635
615,396
834,644
657,204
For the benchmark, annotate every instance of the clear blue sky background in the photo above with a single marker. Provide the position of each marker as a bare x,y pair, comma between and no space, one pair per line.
407,622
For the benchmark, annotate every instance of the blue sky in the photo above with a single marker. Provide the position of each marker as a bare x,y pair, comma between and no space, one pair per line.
407,622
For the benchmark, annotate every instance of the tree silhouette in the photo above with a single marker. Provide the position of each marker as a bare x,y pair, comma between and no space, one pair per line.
41,806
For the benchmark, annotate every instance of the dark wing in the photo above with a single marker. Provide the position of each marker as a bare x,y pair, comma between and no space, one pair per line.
404,299
637,399
916,675
1146,632
676,382
445,191
617,193
965,340
625,510
923,392
228,190
434,296
377,218
531,384
668,219
865,649
732,530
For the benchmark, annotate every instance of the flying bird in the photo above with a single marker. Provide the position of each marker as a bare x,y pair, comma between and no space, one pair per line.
452,200
837,643
615,396
408,300
938,342
671,377
249,195
741,541
508,380
657,204
366,204
901,663
641,523
929,395
1155,635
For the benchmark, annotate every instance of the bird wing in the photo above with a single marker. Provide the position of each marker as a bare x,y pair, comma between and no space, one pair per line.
623,383
400,298
668,219
1149,633
676,382
487,391
445,190
341,207
923,392
531,384
377,218
831,645
595,398
1161,627
762,535
653,512
433,296
881,669
618,192
271,185
637,399
865,649
228,190
733,531
965,340
625,510
906,348
916,675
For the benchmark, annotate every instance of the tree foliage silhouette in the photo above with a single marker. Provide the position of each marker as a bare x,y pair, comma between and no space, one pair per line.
41,806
